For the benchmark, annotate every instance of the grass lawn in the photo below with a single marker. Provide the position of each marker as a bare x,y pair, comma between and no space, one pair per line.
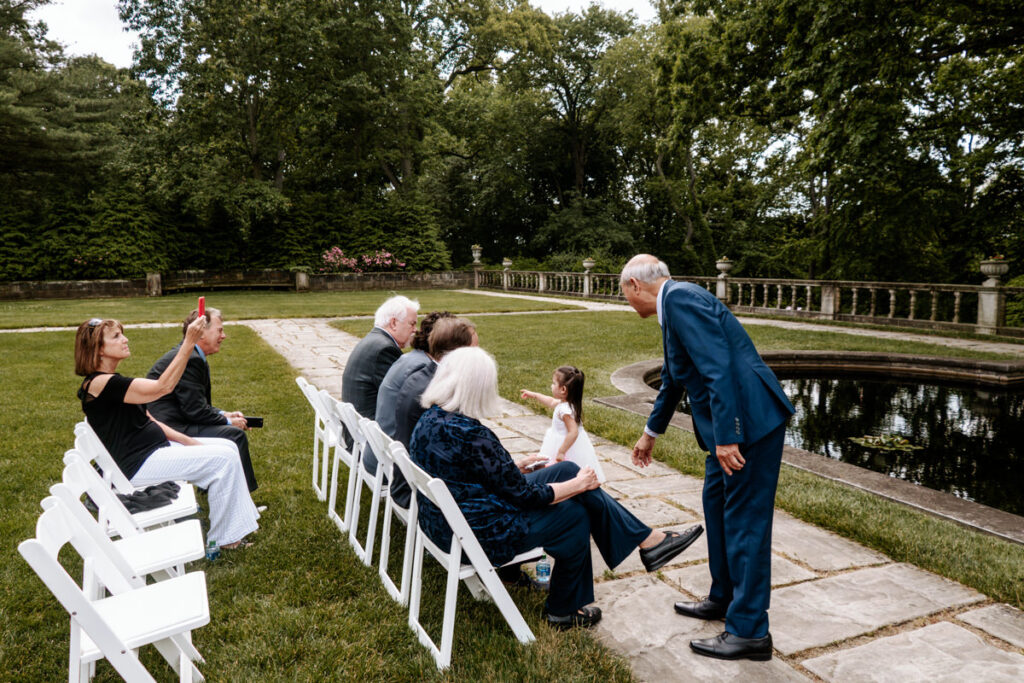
297,606
529,348
241,305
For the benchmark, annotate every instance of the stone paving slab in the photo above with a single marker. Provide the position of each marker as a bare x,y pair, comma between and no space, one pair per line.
817,613
691,500
639,622
656,486
698,552
819,549
940,652
616,472
696,579
1002,621
518,445
533,426
656,513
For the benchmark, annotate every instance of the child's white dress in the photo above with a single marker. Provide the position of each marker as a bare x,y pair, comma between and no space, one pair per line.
581,452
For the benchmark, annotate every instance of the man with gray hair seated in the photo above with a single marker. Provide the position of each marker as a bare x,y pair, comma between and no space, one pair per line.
393,327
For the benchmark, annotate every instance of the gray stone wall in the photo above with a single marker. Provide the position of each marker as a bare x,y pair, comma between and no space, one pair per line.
72,289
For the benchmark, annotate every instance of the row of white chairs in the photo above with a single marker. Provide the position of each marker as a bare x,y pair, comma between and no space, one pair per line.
115,610
332,418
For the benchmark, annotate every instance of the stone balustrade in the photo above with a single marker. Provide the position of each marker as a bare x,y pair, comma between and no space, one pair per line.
970,308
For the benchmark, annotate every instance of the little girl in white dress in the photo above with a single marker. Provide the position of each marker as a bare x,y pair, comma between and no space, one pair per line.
566,439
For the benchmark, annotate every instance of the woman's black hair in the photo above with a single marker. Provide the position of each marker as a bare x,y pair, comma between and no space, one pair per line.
572,379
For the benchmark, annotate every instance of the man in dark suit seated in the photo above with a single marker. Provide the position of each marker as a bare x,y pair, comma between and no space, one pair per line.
393,326
187,408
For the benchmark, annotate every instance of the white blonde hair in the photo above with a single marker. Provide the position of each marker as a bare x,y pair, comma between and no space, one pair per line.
466,382
394,308
643,268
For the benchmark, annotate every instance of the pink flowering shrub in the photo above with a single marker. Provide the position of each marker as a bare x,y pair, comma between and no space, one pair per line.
335,261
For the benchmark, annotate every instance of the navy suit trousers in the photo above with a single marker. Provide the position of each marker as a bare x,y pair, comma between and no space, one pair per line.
738,512
564,531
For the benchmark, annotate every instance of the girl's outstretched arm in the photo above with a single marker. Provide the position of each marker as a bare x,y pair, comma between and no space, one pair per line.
570,438
547,401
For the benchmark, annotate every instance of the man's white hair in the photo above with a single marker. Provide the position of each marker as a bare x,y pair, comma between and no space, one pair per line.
648,270
394,308
466,382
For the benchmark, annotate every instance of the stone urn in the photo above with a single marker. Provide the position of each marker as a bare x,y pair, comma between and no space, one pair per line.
588,264
506,263
724,265
477,250
994,268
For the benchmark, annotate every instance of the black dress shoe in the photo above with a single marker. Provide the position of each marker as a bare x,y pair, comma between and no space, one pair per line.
703,609
727,646
585,617
658,556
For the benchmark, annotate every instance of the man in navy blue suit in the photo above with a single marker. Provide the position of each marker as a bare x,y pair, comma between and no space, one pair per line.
739,415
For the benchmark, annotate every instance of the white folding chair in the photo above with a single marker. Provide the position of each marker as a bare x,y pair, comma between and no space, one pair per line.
112,515
342,454
161,552
480,576
374,481
321,438
383,446
88,444
162,614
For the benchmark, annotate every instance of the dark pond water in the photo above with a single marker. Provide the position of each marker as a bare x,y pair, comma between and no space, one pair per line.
971,440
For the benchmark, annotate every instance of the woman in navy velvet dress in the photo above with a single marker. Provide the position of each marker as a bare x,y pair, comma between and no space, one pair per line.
558,507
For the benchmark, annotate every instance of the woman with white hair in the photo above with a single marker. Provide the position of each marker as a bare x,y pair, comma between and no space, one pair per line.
559,507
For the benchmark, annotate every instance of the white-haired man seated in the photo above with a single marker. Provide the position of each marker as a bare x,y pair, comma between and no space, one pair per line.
393,327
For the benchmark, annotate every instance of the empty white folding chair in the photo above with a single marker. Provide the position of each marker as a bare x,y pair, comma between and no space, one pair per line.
373,481
161,552
342,454
321,437
383,446
162,614
88,444
480,576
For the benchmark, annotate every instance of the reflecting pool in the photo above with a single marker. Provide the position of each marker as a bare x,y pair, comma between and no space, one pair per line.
962,440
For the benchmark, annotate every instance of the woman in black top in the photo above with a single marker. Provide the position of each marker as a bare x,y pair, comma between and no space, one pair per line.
148,451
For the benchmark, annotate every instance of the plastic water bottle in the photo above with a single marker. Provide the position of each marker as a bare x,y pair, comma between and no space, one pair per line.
212,550
543,570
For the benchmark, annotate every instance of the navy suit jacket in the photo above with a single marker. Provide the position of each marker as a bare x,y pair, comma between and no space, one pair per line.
734,396
189,403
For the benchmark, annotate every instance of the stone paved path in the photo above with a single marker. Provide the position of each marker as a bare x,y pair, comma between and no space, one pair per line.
840,611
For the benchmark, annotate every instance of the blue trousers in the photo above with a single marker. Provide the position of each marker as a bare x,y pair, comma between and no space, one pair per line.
738,512
564,531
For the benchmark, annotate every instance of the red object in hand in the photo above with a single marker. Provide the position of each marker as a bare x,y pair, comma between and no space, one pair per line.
202,306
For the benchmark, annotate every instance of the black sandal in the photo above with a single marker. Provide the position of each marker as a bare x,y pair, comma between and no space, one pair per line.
584,617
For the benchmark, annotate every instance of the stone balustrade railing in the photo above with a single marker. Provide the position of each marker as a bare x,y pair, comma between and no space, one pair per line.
970,308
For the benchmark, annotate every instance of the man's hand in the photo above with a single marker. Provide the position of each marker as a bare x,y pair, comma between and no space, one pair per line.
729,458
237,419
642,450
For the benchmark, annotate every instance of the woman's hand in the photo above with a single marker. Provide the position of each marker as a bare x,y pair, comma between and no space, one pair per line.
195,330
586,479
524,465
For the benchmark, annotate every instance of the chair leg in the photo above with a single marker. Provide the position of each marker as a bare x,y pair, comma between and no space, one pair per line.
325,466
416,585
316,459
341,521
371,532
503,600
450,598
410,540
385,550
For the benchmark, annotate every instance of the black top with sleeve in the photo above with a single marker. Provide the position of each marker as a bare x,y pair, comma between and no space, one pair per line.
124,428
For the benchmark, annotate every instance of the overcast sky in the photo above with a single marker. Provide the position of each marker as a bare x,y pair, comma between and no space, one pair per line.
93,27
